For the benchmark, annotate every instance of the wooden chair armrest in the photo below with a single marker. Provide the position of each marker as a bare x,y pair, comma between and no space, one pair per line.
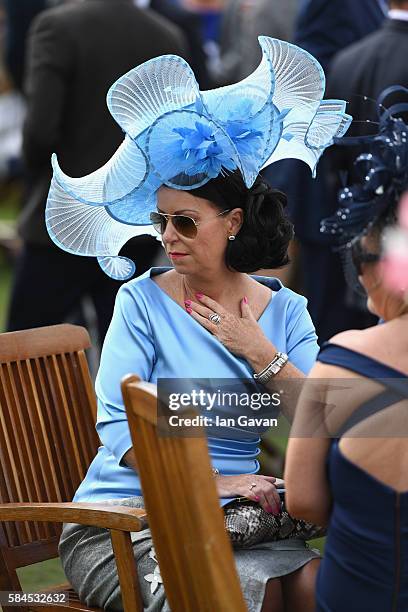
122,518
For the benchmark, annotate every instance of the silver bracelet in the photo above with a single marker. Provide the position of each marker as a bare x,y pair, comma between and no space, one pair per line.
278,362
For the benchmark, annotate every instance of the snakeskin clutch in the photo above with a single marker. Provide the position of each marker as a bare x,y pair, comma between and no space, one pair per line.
247,523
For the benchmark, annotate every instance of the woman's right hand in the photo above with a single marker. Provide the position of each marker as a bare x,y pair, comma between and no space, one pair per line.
264,492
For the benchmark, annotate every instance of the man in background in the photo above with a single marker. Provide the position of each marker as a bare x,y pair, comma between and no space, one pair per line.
19,14
372,65
190,23
76,51
267,18
324,27
242,22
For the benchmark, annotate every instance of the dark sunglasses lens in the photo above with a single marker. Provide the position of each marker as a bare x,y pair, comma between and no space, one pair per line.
159,222
185,226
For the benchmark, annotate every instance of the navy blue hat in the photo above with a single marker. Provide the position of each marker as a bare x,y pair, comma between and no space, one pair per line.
382,172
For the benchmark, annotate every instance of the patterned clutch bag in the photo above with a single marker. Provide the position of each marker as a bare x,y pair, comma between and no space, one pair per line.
247,523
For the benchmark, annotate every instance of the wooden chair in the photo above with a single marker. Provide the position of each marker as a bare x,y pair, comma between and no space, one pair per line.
47,441
186,521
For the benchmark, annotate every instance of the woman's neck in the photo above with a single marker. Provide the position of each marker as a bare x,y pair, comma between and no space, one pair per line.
217,287
395,312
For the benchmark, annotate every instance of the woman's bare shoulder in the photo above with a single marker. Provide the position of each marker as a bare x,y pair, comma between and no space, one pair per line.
365,338
353,339
371,341
386,342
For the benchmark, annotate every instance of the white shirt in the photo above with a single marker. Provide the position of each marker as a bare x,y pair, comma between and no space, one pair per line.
399,14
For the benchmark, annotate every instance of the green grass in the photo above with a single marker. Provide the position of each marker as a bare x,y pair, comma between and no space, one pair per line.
9,206
9,201
35,577
41,575
5,282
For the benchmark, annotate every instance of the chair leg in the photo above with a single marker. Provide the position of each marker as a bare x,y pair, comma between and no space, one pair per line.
9,582
126,564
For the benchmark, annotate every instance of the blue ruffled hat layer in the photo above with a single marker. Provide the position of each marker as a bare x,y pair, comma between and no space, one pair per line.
178,136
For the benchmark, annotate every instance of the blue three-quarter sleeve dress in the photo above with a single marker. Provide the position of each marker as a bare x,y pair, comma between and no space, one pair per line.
152,336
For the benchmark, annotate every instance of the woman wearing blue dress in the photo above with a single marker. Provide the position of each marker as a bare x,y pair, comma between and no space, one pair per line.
189,167
357,482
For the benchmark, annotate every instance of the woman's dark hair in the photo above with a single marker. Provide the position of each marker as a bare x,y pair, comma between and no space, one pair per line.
263,240
388,218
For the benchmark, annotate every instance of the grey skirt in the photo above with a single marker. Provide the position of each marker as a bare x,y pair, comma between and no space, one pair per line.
89,564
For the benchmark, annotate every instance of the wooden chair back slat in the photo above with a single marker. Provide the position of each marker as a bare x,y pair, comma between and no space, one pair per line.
47,432
41,454
69,374
194,552
54,427
8,485
38,400
64,417
36,447
16,449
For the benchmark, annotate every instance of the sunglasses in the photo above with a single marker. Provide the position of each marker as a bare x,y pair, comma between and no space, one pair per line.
184,225
360,256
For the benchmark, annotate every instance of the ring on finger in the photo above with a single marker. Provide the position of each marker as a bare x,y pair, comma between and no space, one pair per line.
252,486
214,317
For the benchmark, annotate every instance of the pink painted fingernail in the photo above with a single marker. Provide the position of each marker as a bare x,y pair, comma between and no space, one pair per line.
199,295
269,509
187,302
256,498
189,310
245,300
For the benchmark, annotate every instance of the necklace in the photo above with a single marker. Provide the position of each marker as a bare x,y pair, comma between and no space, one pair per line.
186,292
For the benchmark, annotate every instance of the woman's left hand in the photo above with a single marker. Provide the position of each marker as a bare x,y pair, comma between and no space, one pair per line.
240,335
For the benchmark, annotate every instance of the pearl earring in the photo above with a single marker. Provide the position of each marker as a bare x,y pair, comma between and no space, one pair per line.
231,237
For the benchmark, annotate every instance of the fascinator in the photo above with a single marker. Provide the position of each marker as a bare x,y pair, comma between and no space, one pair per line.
381,172
381,177
181,137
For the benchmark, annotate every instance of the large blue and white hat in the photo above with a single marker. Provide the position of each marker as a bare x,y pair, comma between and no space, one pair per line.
179,136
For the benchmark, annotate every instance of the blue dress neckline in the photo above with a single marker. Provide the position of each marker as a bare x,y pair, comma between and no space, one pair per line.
156,271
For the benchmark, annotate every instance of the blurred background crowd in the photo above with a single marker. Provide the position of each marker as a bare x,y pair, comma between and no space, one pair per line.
59,57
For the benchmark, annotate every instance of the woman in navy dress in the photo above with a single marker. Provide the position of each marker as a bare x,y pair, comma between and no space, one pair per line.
352,475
